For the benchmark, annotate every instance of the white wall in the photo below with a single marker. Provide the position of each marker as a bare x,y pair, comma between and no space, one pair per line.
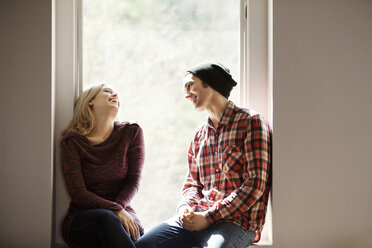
26,123
322,77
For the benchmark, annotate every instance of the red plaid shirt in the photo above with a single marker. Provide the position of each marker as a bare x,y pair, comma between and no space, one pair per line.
230,169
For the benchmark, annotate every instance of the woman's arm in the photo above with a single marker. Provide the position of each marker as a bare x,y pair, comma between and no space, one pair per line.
136,157
75,182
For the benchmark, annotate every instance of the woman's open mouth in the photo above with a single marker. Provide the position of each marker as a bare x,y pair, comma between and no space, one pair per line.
114,100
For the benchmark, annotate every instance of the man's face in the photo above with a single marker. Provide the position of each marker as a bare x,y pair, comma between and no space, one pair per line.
198,93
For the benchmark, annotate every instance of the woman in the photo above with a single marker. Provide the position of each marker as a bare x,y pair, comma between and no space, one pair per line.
102,161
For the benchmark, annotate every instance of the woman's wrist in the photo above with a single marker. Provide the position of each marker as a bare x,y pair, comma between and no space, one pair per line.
117,213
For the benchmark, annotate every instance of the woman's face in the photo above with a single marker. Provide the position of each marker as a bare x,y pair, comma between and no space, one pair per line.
105,100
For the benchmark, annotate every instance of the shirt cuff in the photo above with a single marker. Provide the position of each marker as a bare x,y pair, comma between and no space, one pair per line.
180,206
213,217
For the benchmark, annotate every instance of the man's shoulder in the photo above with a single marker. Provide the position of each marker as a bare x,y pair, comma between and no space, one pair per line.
243,114
201,129
248,116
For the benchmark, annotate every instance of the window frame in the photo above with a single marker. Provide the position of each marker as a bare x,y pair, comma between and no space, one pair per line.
256,73
255,77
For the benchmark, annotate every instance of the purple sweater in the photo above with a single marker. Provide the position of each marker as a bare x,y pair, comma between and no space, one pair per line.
102,176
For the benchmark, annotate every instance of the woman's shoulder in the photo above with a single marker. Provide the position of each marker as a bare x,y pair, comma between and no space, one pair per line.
128,129
72,136
124,125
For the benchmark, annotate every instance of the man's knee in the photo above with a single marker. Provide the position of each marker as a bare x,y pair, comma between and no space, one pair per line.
166,235
145,243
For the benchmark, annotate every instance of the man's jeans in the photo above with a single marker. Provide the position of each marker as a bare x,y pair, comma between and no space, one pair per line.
170,234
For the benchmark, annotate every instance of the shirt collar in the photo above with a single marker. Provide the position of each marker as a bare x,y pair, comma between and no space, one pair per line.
226,115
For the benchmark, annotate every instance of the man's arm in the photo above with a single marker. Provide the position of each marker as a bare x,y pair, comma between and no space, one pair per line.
257,146
192,188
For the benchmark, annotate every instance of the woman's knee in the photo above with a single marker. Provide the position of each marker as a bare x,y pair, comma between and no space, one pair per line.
104,216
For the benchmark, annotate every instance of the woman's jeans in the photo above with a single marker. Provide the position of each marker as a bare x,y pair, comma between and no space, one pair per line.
99,228
170,234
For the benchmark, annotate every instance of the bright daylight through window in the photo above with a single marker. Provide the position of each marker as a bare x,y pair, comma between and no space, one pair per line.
142,49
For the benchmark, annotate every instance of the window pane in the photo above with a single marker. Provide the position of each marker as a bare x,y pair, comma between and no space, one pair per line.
142,49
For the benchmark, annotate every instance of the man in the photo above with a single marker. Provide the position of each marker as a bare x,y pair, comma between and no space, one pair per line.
226,191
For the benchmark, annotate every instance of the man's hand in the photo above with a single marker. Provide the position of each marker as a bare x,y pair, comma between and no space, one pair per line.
195,221
184,211
185,218
129,223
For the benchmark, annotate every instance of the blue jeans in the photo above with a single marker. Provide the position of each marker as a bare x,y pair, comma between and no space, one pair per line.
99,228
170,234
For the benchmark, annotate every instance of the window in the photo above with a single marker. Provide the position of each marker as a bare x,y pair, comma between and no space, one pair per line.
142,49
148,64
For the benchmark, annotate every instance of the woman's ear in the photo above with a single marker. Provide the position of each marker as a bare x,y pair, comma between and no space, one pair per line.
90,103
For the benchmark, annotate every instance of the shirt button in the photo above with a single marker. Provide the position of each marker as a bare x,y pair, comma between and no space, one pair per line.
215,153
217,170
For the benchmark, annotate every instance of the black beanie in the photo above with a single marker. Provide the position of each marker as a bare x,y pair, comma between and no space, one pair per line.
215,75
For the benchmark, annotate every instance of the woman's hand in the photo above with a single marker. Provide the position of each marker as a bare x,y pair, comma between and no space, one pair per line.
129,223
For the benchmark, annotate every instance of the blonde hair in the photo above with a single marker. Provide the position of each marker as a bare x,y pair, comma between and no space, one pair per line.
82,121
